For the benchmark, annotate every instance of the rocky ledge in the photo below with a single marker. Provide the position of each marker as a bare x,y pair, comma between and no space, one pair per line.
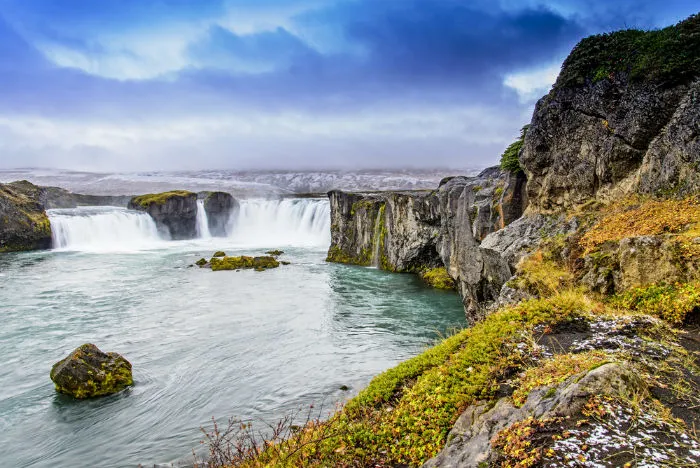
175,213
23,221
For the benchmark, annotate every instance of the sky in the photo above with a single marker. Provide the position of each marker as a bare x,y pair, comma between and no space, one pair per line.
285,84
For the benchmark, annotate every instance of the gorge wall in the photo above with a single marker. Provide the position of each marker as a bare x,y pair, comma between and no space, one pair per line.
417,231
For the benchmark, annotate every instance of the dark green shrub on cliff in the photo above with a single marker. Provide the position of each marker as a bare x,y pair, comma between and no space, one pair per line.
669,56
509,158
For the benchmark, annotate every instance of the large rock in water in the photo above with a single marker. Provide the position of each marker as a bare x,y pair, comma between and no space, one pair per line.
175,213
220,207
609,127
88,372
23,221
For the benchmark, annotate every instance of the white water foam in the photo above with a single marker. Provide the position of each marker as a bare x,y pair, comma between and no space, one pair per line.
202,221
289,222
103,229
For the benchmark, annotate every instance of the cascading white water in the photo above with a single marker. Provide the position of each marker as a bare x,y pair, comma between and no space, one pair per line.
102,229
272,223
202,221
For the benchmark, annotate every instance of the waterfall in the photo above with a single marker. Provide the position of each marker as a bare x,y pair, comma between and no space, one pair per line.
202,221
102,229
376,241
272,223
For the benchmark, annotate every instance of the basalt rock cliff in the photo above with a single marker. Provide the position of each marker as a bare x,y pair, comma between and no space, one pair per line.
417,231
175,213
220,207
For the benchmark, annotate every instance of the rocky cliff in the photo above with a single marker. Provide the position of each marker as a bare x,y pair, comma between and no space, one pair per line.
175,213
623,117
23,221
418,231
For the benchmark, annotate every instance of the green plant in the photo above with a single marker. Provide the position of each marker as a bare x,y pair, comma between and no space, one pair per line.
509,158
671,302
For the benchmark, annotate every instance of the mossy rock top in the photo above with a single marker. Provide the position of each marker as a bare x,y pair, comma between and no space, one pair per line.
160,198
243,262
219,254
88,372
438,278
275,253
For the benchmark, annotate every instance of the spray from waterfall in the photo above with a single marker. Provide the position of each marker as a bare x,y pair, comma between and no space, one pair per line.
202,221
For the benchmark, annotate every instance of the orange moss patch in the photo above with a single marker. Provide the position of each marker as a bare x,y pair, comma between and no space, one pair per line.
637,216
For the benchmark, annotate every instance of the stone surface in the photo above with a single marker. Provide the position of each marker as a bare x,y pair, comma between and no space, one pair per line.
23,221
88,372
611,137
418,231
175,213
243,262
220,207
470,439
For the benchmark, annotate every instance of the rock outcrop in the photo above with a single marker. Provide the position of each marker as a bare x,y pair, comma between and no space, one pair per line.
23,221
419,231
220,207
88,372
55,197
471,440
614,123
175,213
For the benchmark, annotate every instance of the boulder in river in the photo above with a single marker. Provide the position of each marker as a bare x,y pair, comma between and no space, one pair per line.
174,212
88,372
243,262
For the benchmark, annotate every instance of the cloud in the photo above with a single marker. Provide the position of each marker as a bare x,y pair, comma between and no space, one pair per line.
283,82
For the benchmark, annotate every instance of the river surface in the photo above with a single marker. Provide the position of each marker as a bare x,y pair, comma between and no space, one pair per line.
203,344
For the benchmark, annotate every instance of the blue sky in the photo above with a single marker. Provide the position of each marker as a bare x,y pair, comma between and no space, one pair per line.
206,84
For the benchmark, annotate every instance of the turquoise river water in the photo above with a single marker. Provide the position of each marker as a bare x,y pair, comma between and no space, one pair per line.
203,344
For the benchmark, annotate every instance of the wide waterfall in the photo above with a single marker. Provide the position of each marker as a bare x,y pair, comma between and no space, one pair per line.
102,229
298,222
202,221
256,223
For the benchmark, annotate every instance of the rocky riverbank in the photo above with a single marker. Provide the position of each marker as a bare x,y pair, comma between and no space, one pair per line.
578,265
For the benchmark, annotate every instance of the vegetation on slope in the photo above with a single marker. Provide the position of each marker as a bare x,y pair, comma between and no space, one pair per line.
159,198
509,158
668,56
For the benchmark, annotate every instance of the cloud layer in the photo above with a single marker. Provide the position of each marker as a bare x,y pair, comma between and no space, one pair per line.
171,84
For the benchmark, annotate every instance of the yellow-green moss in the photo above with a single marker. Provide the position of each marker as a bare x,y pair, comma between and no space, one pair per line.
671,302
275,253
541,276
243,262
219,254
338,255
438,278
159,198
404,415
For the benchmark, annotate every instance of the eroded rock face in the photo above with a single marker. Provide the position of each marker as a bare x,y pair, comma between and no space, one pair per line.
175,213
220,206
23,221
88,372
419,231
612,137
470,439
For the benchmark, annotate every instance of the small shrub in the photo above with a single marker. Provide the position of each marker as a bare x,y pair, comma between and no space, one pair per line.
509,158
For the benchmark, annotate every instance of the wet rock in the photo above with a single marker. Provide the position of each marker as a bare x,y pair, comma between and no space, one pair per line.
88,372
23,221
220,207
201,262
175,213
219,254
275,253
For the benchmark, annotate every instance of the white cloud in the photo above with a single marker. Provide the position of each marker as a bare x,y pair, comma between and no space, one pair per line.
532,84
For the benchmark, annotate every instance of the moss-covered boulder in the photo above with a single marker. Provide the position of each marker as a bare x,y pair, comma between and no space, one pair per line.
23,221
219,254
243,262
201,262
88,372
275,253
175,213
